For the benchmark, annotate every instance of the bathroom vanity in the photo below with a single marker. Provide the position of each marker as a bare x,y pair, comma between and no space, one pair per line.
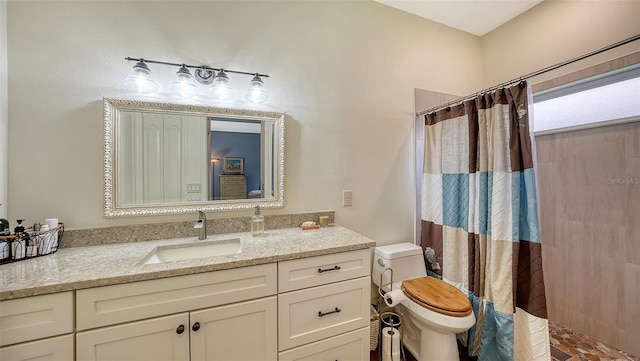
289,295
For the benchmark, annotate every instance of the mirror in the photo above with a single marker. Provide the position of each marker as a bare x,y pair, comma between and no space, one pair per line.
166,158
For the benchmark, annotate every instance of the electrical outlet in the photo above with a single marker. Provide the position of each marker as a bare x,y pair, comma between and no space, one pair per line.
347,198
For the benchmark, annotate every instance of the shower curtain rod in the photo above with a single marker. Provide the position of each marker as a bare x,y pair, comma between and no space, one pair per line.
531,75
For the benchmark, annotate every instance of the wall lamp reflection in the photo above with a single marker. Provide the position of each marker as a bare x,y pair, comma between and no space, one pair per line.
140,80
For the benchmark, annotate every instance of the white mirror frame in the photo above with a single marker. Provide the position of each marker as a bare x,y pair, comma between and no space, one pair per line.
113,106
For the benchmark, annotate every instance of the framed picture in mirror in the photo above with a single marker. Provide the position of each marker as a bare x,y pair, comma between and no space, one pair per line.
233,165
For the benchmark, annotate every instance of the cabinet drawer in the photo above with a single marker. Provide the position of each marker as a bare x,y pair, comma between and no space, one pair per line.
31,318
320,270
234,182
233,187
346,347
55,348
312,314
109,305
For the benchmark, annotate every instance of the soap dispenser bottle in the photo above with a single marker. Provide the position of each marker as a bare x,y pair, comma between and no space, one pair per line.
19,228
257,223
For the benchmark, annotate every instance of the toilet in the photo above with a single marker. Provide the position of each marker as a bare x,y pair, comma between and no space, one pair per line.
432,310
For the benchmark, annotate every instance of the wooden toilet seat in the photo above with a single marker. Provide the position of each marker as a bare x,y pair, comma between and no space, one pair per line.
438,296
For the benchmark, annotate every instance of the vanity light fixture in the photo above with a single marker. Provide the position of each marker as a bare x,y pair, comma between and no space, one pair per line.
140,81
221,88
256,93
185,85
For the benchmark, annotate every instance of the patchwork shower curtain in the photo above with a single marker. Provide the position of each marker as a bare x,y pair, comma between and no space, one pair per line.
480,221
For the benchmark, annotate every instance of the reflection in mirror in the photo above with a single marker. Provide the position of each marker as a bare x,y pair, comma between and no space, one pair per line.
241,158
163,158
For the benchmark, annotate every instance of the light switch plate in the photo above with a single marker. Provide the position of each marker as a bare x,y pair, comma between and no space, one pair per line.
347,198
193,188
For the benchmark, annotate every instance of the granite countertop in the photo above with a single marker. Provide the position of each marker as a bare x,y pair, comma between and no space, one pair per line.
93,266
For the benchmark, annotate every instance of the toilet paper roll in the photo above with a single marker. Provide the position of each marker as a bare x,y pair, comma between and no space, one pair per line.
394,297
388,357
390,343
51,222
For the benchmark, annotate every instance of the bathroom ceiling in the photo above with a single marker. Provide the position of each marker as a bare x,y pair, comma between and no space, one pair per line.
477,17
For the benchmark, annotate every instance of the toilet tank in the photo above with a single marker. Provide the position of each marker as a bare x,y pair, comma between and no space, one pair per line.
405,259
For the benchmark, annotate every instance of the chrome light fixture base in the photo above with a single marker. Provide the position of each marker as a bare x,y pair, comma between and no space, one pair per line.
204,76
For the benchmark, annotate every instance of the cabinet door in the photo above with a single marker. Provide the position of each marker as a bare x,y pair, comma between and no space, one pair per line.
157,339
241,331
55,348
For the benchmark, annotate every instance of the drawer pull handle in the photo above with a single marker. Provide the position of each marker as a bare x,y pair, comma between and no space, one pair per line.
321,314
180,329
336,268
196,326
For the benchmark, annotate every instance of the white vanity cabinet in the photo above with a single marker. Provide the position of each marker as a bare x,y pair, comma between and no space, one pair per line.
37,328
314,308
323,313
178,318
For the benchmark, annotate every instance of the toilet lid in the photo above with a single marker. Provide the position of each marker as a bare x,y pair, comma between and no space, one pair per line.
437,296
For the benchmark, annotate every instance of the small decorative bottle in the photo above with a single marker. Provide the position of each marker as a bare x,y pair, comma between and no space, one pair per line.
257,223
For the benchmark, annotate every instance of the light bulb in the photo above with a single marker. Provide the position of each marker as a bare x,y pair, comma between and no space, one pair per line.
256,92
221,88
140,80
184,86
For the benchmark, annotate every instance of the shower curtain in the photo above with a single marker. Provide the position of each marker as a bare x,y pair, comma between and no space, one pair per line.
479,224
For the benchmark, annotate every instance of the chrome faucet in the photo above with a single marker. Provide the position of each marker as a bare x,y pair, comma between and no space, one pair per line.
201,224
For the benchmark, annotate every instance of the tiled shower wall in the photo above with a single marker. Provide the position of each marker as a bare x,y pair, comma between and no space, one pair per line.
589,187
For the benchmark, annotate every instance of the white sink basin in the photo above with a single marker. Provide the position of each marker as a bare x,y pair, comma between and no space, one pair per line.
194,250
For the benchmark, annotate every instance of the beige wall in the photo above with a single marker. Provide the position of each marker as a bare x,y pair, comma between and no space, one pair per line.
555,31
345,72
589,184
4,114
